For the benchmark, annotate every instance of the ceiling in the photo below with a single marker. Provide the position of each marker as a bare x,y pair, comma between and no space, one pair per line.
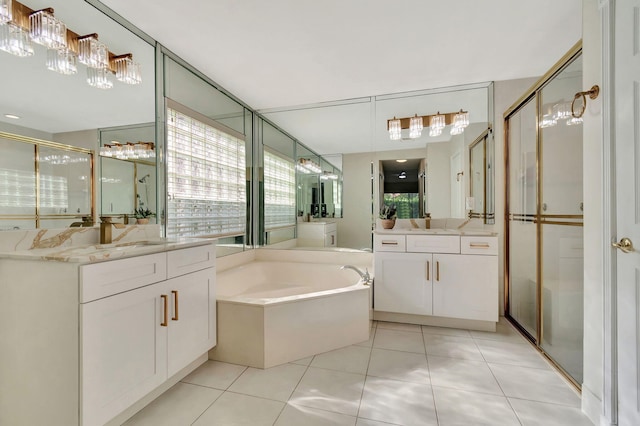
281,53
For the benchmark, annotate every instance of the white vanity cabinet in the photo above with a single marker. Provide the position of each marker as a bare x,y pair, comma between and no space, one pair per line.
317,234
82,343
445,276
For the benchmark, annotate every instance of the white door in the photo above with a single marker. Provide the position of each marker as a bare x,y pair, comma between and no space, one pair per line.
403,283
627,140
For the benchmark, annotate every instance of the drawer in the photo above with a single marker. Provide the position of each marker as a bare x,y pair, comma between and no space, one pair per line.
386,242
180,262
479,245
104,279
433,243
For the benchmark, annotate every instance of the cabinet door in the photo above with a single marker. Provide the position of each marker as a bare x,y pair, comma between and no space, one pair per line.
465,286
123,351
403,283
192,317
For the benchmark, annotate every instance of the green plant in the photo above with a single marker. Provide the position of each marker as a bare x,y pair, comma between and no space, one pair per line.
142,213
388,212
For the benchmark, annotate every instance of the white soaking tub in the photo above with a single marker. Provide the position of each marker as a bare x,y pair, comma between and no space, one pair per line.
272,312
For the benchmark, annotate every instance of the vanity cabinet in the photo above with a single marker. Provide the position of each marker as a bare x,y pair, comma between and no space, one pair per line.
317,234
429,275
85,342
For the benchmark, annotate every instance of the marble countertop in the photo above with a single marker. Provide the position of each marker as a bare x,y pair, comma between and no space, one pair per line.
90,253
435,231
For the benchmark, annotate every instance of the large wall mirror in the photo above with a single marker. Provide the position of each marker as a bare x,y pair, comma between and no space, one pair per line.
66,110
357,129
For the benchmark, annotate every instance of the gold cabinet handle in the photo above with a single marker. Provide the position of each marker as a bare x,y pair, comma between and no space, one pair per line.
428,267
625,245
175,305
479,245
333,239
165,315
437,271
389,243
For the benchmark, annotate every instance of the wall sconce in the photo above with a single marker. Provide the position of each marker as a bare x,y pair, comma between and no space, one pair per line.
437,122
20,26
128,151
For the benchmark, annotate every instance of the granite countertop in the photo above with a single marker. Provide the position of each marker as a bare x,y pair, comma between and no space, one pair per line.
435,231
90,253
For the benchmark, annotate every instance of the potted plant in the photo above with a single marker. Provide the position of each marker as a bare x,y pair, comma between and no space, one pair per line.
142,215
388,215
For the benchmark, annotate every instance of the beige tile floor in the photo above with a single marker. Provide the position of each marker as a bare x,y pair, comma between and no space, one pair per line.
404,375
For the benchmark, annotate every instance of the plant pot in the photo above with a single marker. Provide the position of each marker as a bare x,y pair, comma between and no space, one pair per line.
143,221
388,223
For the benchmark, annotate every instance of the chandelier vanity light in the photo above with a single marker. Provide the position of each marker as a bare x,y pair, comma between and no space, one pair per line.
21,26
436,123
128,151
306,165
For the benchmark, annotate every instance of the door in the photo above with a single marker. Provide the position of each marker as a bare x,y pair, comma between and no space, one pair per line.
123,351
403,283
465,286
627,142
192,314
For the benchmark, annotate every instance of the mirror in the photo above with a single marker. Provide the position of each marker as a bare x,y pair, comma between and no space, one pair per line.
480,201
403,185
66,110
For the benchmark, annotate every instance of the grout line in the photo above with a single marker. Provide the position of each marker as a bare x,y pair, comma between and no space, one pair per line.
306,368
433,394
374,330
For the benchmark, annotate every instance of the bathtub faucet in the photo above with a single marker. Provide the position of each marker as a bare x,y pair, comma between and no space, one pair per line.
364,275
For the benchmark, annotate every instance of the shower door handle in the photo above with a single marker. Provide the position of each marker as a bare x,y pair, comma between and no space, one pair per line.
625,245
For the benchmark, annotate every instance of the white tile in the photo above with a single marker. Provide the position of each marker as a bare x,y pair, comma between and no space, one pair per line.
406,341
461,374
352,359
180,405
303,361
368,343
367,422
215,374
296,415
444,331
452,347
404,366
397,402
233,409
505,332
534,384
330,390
456,407
533,413
273,383
512,353
399,326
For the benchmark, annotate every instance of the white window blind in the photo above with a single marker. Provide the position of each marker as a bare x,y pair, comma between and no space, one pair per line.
279,191
206,178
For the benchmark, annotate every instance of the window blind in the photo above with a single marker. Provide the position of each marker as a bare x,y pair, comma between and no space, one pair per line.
206,178
279,191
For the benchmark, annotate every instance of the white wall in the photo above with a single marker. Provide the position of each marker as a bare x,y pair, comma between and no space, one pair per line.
592,384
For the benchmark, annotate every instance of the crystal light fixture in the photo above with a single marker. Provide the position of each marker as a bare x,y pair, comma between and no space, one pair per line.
436,125
561,111
15,40
415,127
99,78
548,120
6,11
573,121
64,61
92,52
47,30
460,122
128,151
395,129
127,71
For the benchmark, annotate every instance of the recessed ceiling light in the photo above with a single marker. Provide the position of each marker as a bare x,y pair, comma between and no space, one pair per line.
401,161
15,117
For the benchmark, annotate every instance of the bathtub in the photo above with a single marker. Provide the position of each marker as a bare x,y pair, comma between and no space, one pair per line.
273,312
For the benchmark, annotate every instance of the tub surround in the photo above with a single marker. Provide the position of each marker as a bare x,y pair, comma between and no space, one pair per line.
440,277
91,337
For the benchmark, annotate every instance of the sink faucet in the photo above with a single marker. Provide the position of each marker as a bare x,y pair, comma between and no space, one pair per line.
105,229
364,275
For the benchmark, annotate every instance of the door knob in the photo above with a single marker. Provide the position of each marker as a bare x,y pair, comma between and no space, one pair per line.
625,245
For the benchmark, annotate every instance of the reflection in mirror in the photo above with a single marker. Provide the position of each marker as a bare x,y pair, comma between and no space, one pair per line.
402,184
479,203
66,110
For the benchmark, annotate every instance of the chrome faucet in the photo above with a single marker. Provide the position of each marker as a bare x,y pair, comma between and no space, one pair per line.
364,275
105,229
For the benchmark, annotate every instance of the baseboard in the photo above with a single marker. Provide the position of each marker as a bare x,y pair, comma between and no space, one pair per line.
434,321
592,406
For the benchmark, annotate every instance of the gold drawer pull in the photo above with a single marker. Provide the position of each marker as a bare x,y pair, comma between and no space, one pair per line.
175,305
479,245
437,271
389,243
428,267
165,314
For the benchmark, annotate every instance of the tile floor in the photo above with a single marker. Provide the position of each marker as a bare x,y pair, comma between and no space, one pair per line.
404,375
